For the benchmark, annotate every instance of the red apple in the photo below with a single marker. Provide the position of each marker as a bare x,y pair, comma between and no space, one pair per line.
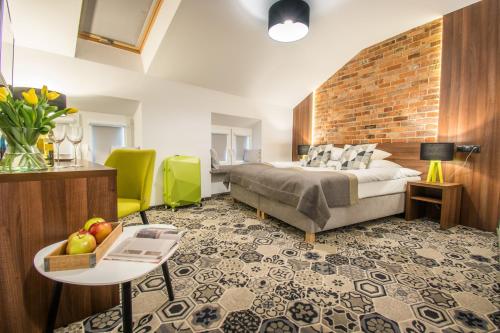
101,230
92,221
80,242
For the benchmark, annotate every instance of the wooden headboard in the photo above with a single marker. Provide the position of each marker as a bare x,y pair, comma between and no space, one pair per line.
405,154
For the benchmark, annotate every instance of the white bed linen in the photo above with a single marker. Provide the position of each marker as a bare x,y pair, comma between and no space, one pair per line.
384,187
371,182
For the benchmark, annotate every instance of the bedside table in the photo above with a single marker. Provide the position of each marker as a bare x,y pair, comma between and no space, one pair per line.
445,198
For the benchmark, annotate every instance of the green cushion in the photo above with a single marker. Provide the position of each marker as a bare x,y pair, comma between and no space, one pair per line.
128,206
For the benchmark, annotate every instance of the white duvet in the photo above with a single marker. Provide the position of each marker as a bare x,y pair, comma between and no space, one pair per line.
371,182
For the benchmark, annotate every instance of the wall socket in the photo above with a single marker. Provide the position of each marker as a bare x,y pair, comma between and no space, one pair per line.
468,148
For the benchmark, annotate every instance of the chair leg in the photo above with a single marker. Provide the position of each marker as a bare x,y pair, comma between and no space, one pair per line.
144,217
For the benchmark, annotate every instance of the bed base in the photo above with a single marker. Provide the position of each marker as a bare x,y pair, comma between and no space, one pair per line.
366,209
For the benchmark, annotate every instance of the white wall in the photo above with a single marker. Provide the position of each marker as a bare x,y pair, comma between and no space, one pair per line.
175,117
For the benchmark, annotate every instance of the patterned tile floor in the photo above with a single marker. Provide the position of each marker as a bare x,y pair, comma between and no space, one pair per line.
234,273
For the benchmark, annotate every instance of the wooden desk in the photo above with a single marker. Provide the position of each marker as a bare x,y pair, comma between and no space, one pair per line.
38,209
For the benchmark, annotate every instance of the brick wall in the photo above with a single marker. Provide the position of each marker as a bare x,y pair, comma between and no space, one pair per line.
389,92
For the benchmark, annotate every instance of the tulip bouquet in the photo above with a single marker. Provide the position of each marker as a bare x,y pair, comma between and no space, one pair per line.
22,121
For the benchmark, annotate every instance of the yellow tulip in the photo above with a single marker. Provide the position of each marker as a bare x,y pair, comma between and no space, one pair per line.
30,97
44,90
72,110
4,92
52,95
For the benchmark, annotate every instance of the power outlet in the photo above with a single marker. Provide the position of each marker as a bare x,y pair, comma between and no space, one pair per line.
469,148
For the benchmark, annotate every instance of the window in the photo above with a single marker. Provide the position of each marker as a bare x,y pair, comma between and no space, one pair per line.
104,139
220,144
230,143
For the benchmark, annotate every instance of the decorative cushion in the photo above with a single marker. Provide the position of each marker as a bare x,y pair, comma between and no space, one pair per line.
336,165
318,156
380,154
214,158
336,154
357,157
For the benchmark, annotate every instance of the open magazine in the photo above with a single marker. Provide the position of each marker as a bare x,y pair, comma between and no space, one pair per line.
147,245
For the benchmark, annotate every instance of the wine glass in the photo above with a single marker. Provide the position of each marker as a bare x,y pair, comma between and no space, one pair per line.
58,135
75,136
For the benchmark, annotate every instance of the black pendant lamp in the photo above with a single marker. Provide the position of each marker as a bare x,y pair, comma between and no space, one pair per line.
288,20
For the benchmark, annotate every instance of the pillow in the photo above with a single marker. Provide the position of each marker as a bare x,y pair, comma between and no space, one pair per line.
252,155
336,165
214,159
357,157
380,154
336,154
318,156
375,164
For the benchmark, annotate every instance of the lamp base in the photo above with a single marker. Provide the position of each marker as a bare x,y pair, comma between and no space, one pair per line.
435,171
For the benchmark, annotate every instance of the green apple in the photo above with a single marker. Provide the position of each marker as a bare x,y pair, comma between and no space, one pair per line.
91,221
81,242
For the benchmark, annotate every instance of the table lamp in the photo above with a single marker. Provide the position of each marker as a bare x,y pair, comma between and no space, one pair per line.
302,151
435,153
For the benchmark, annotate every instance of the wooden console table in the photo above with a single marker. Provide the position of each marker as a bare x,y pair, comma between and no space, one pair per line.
38,209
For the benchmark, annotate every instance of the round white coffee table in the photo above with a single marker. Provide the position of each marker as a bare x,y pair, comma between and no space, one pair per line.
106,272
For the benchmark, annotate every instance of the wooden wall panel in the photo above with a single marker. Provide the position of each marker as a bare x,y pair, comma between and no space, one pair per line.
37,209
470,107
302,124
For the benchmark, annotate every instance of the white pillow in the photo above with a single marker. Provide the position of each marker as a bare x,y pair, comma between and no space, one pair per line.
380,154
375,164
336,153
214,159
336,165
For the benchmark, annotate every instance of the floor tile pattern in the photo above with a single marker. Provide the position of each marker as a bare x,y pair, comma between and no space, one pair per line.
234,273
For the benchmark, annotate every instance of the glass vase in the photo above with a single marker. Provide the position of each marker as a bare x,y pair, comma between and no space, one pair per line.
22,154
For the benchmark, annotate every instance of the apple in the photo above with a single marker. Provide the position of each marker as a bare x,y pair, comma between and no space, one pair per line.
101,230
91,221
81,242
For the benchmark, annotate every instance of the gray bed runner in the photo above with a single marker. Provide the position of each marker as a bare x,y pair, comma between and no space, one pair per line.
312,193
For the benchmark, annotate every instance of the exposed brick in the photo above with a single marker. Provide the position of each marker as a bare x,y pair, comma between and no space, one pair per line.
389,92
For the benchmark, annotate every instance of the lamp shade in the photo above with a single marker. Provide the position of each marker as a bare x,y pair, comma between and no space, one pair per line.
302,149
288,20
440,151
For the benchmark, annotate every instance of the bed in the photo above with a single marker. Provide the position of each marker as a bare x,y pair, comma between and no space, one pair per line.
380,191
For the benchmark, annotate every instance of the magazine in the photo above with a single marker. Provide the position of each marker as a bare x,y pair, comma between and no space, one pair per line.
147,245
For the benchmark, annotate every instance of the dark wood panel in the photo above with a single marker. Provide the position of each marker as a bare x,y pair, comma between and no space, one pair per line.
33,214
470,107
302,124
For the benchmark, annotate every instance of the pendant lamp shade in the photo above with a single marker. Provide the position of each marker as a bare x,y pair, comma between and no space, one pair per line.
288,20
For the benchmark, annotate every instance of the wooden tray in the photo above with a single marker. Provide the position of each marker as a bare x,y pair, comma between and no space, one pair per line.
58,260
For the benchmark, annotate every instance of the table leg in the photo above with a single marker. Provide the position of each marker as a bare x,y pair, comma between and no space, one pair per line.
127,307
168,282
54,307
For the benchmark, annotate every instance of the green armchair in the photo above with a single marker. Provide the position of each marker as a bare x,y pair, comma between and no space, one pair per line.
135,170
